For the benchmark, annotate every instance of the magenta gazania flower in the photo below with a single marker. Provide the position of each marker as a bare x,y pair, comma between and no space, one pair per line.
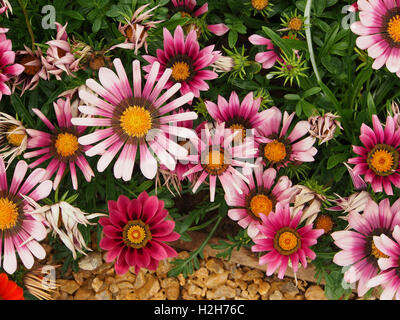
389,278
186,61
259,197
35,66
59,54
378,159
5,6
379,32
216,158
284,241
238,116
60,145
20,230
359,251
277,146
8,69
187,8
270,56
135,233
133,120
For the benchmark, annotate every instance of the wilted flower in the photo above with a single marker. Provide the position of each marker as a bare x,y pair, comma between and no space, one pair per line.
41,282
5,6
136,30
396,114
309,201
356,202
59,54
324,127
223,64
358,182
66,227
13,137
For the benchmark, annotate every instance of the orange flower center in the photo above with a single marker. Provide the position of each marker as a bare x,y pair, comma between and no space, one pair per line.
29,70
180,71
66,144
136,234
324,222
287,241
382,160
275,151
295,24
214,162
136,121
393,28
376,252
259,4
8,214
15,139
260,204
242,132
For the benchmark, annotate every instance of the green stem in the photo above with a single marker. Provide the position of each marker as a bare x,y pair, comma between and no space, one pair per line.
28,24
307,14
203,225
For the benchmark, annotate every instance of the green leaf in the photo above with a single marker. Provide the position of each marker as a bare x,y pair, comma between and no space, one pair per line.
96,25
335,159
22,111
232,38
310,92
291,96
74,14
278,41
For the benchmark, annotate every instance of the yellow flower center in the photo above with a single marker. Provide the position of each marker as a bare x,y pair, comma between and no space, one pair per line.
376,252
259,4
241,129
136,234
275,151
324,222
185,14
382,160
288,241
15,138
180,71
215,160
260,204
66,144
393,28
136,121
295,24
8,214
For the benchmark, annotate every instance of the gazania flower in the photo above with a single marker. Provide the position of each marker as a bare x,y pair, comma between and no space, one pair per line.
187,8
59,54
8,69
355,202
63,219
13,137
379,32
309,202
133,119
136,30
358,182
61,145
285,241
270,56
9,290
19,230
238,116
324,127
186,61
277,146
216,158
261,6
259,197
5,6
135,233
389,278
378,159
293,23
359,250
35,66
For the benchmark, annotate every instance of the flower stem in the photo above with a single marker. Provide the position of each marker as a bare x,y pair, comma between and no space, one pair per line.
28,24
307,14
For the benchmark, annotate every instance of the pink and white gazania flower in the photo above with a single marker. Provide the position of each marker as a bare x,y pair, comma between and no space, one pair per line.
378,159
134,120
355,202
277,146
389,278
136,30
61,145
8,69
359,251
35,66
186,61
135,233
270,56
259,197
379,32
285,241
187,8
238,116
19,230
216,158
5,6
59,54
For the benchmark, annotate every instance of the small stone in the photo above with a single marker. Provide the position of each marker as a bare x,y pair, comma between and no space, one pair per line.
289,289
113,288
125,285
83,294
172,289
253,289
186,295
103,268
224,292
217,279
242,284
149,289
97,283
68,286
193,290
215,266
183,255
231,284
263,288
237,274
201,274
126,277
163,267
252,274
78,276
160,295
91,262
140,280
315,293
103,295
181,279
277,295
245,294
